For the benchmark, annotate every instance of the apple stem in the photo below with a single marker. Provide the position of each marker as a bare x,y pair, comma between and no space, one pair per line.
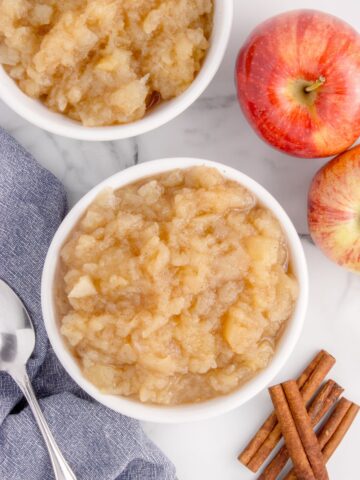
315,85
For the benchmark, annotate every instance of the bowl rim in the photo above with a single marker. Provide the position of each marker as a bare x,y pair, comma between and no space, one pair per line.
197,411
38,114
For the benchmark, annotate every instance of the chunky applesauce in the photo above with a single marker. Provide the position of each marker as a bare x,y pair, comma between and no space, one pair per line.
175,289
104,62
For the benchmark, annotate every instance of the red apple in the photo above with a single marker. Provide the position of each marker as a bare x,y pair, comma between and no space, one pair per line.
298,81
334,209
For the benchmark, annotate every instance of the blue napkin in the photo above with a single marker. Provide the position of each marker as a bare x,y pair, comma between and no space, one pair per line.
98,443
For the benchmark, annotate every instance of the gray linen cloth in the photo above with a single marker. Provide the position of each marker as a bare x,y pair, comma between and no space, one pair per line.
98,443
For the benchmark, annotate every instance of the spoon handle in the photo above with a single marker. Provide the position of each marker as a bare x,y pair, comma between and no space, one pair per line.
61,468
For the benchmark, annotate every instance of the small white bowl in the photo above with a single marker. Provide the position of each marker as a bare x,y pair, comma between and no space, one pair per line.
38,114
182,413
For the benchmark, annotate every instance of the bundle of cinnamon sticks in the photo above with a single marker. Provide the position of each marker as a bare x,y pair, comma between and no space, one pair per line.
297,412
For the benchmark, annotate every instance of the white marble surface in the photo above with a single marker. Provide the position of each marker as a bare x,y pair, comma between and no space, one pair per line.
214,128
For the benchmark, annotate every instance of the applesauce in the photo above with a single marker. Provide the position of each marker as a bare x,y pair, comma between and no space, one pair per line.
175,289
104,62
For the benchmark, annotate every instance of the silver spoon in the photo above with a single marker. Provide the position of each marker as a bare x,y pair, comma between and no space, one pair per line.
17,342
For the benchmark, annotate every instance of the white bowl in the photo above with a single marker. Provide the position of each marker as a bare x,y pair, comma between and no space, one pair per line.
38,114
182,413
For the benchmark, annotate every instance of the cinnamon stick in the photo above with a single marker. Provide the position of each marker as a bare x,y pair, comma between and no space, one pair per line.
295,447
248,456
334,421
305,430
320,406
255,443
334,430
269,434
316,378
340,432
324,400
306,374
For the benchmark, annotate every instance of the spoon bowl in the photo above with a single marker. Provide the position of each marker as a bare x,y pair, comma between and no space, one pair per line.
17,335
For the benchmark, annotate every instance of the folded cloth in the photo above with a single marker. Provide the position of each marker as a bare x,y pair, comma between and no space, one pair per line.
98,443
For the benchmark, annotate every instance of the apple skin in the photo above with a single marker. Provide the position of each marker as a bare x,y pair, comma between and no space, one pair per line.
283,56
334,209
